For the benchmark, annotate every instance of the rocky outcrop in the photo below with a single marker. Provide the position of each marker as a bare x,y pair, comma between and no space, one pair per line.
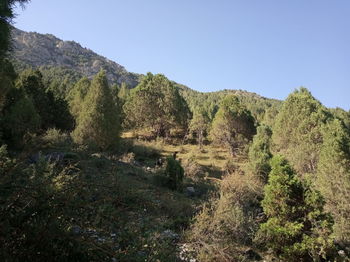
37,50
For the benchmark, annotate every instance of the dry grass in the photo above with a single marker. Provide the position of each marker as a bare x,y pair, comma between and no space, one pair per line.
212,159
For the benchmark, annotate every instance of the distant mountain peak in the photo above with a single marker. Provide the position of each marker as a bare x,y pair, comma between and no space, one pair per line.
35,49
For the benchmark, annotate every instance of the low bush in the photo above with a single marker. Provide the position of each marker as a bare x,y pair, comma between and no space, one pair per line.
54,138
174,172
192,168
228,223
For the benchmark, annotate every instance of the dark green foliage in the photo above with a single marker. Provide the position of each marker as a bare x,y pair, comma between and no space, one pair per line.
297,228
31,82
156,104
20,118
333,177
256,104
7,77
98,122
6,16
260,154
174,172
59,80
52,110
297,130
233,125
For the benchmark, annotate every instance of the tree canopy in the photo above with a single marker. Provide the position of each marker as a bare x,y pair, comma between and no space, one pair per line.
156,104
297,130
233,125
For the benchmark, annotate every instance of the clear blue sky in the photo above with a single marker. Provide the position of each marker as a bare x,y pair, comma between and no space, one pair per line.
269,47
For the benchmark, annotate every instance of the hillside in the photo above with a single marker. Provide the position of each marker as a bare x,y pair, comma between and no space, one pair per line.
62,63
91,171
37,50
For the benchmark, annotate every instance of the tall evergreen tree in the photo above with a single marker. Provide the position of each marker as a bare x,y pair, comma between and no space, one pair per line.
77,94
233,125
297,228
333,177
297,131
98,122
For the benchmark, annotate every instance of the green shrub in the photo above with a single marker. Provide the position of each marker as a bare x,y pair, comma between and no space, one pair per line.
260,154
174,172
54,138
297,228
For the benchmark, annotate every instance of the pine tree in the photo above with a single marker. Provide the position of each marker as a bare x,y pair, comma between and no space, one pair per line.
77,94
333,177
233,125
297,131
297,228
260,154
98,122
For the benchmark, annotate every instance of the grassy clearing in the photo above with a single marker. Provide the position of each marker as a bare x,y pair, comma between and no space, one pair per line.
213,159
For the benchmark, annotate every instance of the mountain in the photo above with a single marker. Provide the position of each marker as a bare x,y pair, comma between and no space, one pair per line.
46,50
68,61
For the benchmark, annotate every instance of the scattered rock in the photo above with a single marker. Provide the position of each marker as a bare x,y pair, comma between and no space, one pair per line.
341,253
190,191
170,235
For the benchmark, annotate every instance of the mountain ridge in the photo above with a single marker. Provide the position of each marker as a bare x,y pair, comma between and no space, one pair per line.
46,51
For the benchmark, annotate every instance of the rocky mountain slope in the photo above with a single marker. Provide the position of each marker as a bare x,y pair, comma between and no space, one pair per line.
34,49
68,61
